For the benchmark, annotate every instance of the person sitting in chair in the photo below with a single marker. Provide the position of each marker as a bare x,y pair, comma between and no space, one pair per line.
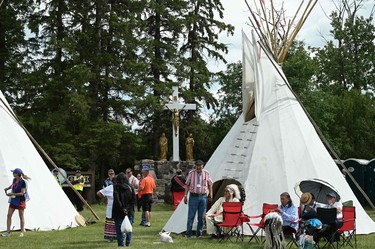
214,216
308,206
289,214
329,230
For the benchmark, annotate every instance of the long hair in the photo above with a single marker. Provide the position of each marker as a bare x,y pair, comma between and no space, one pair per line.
286,194
122,179
273,228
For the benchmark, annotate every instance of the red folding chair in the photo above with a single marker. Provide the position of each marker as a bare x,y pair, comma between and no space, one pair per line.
267,208
233,219
348,229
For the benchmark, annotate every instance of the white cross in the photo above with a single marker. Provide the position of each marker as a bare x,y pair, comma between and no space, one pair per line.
175,107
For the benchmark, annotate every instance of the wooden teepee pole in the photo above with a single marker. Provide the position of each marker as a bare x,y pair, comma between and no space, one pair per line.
36,144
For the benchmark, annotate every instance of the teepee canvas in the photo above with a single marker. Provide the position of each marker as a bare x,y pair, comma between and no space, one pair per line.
48,208
272,146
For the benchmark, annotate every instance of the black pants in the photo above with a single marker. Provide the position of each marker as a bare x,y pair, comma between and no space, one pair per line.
78,202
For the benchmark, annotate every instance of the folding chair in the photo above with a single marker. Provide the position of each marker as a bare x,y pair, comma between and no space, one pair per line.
328,216
293,236
267,208
233,219
348,229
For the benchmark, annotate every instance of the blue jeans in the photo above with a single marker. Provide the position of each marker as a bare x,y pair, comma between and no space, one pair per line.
197,203
120,235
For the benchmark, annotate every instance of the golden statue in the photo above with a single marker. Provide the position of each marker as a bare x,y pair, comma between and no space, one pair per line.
189,147
163,142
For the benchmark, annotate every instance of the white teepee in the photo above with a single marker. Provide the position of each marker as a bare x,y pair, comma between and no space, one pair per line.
48,208
270,152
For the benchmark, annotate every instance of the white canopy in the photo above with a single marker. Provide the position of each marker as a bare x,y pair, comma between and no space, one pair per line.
274,150
49,208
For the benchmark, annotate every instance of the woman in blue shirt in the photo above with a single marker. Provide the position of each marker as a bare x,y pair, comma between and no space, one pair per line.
289,214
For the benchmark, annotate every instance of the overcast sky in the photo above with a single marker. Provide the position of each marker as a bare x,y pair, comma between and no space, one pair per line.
237,13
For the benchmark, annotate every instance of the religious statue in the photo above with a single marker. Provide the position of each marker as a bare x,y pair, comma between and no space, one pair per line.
163,142
176,120
189,147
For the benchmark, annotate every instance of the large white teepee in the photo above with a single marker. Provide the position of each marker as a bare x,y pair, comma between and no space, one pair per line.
49,208
269,153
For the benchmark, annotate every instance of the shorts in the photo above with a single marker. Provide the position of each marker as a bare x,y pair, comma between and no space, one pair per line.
22,206
146,201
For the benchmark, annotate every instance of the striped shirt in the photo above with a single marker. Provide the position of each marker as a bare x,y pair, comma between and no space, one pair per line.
198,183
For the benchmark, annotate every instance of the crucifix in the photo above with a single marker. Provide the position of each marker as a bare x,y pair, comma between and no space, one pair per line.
176,107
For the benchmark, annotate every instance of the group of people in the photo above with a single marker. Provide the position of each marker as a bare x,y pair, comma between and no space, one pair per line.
121,193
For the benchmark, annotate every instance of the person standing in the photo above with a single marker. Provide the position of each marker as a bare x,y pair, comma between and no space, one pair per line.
134,183
199,185
109,226
178,188
163,143
56,175
123,204
78,183
147,186
108,181
17,200
189,144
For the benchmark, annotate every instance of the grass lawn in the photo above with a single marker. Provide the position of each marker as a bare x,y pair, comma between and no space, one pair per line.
91,236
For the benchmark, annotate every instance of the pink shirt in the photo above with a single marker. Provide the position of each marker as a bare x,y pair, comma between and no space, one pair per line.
198,183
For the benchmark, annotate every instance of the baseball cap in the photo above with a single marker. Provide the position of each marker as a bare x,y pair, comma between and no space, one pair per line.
199,162
145,168
78,171
332,195
18,171
110,171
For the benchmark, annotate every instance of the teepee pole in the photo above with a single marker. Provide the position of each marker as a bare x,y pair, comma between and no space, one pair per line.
320,134
36,144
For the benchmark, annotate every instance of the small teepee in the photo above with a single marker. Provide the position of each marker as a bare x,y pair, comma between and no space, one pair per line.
49,208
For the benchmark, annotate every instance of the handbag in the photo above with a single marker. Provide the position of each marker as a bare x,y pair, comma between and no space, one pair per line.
126,226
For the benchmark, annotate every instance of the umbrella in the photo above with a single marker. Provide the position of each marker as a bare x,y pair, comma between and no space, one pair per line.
317,187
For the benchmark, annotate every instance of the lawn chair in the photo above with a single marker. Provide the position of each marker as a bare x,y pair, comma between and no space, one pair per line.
267,208
348,229
328,216
233,219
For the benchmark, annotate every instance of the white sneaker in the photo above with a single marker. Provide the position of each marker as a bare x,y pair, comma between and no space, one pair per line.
21,235
6,234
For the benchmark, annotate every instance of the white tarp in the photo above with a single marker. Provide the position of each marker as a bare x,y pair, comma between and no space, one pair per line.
49,208
272,152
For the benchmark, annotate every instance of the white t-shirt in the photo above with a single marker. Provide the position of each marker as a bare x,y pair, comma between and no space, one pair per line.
108,192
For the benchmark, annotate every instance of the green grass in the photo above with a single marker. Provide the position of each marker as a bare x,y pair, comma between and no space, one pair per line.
91,236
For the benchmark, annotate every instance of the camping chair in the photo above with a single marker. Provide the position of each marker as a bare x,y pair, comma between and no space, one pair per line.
328,216
348,229
294,236
267,208
233,219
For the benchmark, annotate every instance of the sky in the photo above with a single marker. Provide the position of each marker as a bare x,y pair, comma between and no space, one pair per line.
315,28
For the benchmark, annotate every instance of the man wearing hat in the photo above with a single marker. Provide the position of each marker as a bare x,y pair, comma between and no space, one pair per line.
308,206
78,183
199,184
147,188
177,188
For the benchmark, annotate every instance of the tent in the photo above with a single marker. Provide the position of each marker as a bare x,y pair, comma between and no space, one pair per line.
272,146
48,208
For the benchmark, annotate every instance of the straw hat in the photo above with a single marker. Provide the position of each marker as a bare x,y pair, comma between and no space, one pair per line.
306,198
